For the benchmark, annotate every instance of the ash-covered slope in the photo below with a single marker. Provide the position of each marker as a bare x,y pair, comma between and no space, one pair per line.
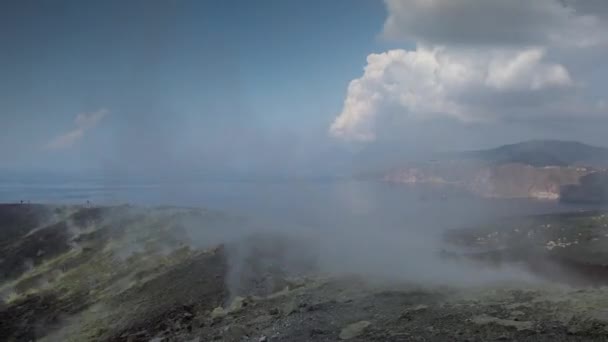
175,274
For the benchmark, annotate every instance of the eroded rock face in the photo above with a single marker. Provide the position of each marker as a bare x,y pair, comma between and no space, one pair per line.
524,181
496,181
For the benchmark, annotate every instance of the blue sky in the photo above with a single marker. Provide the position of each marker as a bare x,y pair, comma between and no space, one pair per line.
174,70
183,88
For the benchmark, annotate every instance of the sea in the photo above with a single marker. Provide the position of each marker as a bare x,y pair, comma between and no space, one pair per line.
313,203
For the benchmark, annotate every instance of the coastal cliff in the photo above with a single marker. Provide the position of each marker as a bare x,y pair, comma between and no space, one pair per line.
503,181
560,171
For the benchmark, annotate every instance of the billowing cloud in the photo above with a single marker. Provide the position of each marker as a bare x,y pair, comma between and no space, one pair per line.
497,22
476,61
433,83
83,122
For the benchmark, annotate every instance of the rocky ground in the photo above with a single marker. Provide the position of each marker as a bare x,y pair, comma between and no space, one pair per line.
165,274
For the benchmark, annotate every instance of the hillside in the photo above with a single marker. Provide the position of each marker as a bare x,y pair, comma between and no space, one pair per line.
534,169
542,153
592,188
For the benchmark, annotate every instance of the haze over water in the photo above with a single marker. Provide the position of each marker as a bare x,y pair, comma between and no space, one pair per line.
330,203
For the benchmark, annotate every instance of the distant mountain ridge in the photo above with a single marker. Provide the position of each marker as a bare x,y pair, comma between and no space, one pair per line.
541,153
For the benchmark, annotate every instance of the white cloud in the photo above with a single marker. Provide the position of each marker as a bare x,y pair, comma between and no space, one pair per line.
526,71
478,60
497,22
434,83
83,122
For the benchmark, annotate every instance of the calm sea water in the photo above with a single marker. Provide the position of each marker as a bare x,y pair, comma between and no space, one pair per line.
308,203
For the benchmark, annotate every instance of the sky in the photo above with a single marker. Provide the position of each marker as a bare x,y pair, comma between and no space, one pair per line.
285,87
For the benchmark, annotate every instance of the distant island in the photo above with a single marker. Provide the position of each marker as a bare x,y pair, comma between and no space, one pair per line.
542,169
